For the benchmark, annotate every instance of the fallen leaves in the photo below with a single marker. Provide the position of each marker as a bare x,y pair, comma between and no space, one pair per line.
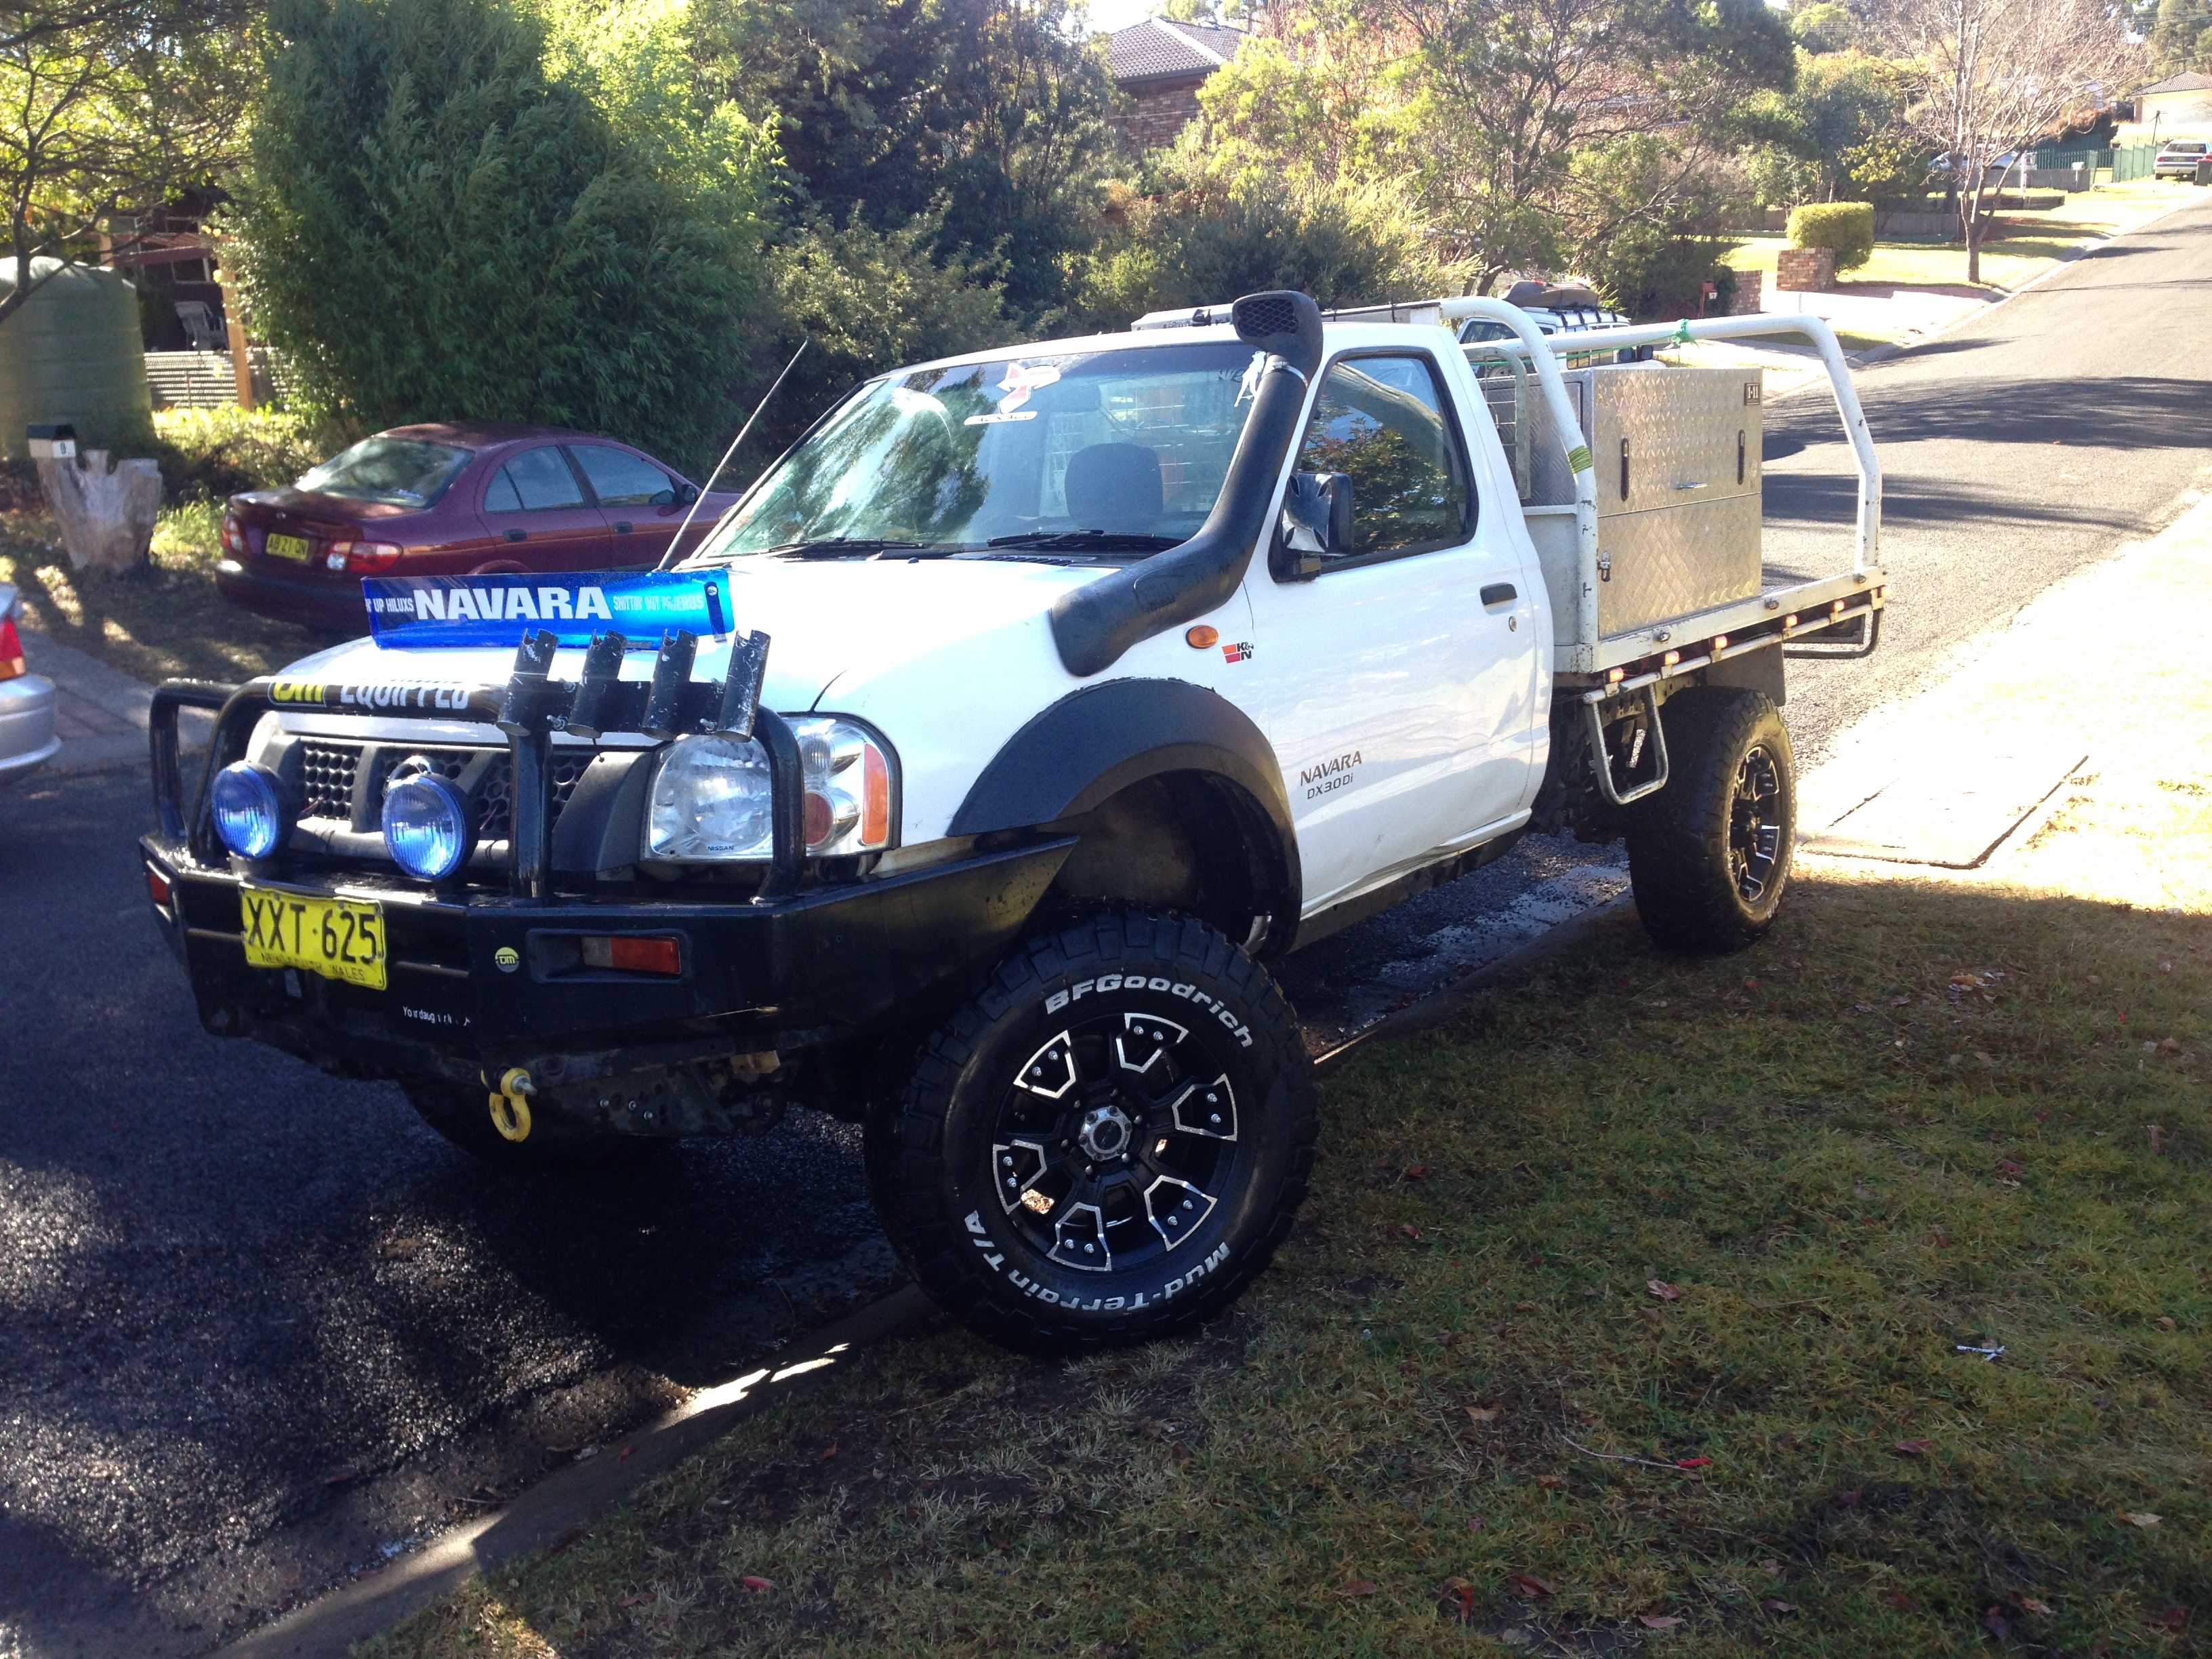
638,1600
1528,1584
2010,1168
1899,1599
1663,1290
1358,1587
1456,1599
753,1581
1915,1448
1780,1608
2157,1133
1693,1462
1484,1415
1551,1482
2142,1518
2174,1619
1657,1620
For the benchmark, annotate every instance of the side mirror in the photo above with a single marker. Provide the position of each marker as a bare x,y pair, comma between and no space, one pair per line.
687,493
1316,525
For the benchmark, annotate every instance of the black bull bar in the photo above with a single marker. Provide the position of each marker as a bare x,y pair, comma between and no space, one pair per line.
529,708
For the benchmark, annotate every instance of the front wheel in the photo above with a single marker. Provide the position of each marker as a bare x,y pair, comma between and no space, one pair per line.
1709,854
1106,1144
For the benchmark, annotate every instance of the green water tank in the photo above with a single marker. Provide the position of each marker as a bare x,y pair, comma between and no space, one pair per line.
73,352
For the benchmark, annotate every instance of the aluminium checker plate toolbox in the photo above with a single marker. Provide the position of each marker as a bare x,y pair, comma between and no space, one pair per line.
1678,476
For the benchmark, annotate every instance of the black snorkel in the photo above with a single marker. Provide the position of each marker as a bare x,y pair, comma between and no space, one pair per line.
1094,624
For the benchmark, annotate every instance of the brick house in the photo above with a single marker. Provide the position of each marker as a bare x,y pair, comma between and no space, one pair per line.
1160,66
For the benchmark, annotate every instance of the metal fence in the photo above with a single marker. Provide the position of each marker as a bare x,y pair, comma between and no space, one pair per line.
205,380
2127,161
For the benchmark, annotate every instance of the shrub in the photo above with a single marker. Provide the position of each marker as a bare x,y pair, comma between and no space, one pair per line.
437,222
209,454
1341,244
1846,226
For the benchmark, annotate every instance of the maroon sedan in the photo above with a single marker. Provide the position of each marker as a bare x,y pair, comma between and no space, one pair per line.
452,498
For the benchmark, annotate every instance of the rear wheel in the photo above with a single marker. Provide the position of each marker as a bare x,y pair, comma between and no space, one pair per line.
1108,1144
1709,854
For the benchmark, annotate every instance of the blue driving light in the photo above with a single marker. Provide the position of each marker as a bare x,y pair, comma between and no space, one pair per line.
426,827
250,812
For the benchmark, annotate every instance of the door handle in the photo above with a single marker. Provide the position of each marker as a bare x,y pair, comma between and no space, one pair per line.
1500,594
622,526
517,535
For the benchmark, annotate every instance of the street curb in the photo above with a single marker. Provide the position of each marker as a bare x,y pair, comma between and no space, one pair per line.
79,674
84,674
558,1508
1441,1005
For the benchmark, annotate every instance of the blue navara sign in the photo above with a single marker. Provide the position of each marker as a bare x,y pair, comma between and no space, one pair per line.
576,606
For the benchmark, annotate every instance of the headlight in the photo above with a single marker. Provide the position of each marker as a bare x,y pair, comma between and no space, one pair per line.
250,814
711,795
426,826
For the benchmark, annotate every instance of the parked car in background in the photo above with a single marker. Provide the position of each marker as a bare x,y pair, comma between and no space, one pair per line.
26,700
454,498
2178,159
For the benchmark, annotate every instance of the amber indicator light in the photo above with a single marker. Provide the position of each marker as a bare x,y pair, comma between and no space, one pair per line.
650,953
1201,638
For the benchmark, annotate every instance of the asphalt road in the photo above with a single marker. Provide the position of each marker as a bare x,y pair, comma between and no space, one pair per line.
258,1328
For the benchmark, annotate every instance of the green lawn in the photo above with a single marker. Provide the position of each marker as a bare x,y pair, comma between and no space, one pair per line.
1627,1309
2007,262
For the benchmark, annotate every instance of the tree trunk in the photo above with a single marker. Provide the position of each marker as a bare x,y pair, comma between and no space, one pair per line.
106,518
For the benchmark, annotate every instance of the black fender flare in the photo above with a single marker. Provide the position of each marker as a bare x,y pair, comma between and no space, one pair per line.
1096,741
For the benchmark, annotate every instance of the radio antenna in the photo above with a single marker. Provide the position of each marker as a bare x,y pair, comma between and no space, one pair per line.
676,546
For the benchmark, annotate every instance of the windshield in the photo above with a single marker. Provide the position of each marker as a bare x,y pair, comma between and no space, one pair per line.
398,472
1115,451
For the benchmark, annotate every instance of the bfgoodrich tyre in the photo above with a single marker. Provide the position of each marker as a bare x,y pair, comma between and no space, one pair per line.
1709,854
1107,1143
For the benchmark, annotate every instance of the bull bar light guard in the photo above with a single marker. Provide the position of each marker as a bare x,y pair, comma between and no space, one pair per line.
530,708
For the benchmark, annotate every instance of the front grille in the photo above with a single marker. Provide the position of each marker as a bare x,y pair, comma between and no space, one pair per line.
326,775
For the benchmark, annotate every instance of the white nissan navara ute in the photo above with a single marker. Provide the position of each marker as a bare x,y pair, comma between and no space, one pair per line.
968,779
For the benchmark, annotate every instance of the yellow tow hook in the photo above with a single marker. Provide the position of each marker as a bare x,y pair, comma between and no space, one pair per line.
510,1104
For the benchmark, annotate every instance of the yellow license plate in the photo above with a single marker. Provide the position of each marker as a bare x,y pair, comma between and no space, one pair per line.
285,547
338,939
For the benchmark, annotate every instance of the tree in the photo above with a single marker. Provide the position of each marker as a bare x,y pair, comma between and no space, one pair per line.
1512,91
441,222
1991,76
1842,129
108,111
987,117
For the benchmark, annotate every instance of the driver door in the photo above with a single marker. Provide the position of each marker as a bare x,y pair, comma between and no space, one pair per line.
1395,685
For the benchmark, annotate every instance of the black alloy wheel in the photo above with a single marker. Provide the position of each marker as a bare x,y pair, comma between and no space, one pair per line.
1116,1139
1755,822
1107,1143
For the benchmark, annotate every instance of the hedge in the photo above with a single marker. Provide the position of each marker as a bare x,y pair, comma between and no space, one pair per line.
1846,226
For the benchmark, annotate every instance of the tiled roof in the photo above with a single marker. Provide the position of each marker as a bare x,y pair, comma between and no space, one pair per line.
2190,82
1157,49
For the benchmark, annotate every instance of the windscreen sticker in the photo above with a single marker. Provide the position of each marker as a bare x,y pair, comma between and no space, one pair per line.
1020,379
575,608
1002,418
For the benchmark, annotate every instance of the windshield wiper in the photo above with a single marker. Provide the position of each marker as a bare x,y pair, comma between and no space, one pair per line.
1089,540
837,547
